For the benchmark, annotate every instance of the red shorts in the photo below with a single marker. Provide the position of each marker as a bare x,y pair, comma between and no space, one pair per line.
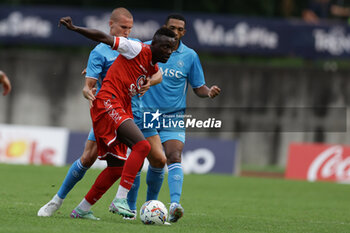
107,116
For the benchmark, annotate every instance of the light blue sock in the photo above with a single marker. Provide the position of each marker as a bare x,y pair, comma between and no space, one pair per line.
175,180
132,195
154,180
75,173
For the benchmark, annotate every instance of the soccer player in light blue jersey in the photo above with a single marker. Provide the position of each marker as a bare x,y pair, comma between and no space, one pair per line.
100,59
169,97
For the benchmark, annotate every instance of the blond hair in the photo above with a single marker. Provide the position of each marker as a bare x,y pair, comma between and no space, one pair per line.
120,11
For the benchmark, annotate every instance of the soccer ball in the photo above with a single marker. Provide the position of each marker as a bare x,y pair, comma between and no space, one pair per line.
153,212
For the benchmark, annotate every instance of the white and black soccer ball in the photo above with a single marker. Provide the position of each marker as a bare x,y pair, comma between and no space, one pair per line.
153,212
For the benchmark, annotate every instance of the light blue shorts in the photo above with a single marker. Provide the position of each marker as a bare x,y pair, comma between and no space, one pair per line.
91,136
165,135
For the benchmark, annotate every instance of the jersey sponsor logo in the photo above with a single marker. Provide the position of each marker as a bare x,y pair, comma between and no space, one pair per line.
112,112
134,89
172,73
140,81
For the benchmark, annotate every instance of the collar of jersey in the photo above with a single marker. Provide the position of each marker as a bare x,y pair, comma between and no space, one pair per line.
180,49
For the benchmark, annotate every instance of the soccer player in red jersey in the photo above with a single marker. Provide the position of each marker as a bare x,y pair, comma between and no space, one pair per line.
111,111
100,59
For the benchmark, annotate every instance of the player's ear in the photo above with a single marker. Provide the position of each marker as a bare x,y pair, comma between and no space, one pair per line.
110,23
184,31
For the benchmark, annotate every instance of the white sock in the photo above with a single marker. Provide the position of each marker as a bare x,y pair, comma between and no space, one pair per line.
84,205
122,192
57,199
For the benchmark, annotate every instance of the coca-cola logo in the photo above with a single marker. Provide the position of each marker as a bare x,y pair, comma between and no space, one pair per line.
330,164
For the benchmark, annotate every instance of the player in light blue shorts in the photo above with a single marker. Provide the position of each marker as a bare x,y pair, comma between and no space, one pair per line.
169,99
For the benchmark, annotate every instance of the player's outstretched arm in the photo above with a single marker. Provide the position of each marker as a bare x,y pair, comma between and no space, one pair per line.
5,82
205,91
92,34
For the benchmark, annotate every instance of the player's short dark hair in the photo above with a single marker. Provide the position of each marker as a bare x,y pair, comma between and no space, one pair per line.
163,31
175,16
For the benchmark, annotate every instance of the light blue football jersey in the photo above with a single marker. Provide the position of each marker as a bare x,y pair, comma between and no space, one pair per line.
100,59
182,68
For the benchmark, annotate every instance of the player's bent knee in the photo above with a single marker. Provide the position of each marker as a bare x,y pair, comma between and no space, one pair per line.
89,155
174,157
157,158
158,162
88,158
88,161
161,162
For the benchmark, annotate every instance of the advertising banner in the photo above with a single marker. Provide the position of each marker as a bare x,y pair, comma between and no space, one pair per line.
209,155
199,155
33,145
205,32
319,162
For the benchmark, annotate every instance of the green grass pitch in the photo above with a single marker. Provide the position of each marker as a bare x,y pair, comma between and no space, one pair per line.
212,203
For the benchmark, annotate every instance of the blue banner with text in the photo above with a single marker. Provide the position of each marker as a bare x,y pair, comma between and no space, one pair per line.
205,32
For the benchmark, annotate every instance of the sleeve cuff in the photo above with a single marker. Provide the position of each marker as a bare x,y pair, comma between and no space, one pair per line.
116,43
